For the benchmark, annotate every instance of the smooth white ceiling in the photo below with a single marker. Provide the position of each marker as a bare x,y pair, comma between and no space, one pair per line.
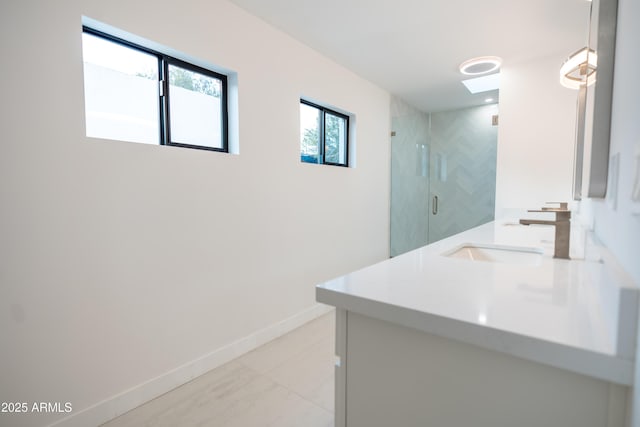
412,48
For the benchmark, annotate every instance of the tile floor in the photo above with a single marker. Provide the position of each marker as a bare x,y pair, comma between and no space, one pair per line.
285,383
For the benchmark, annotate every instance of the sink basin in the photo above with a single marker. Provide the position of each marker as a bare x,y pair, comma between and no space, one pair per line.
497,253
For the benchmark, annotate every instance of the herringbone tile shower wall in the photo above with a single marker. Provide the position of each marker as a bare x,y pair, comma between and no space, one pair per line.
451,155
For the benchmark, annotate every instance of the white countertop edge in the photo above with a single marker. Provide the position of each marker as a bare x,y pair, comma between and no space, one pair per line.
597,365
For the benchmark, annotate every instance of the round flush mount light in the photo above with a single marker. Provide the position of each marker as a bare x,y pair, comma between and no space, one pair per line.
480,65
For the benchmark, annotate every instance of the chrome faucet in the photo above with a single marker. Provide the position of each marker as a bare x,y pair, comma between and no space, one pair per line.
562,225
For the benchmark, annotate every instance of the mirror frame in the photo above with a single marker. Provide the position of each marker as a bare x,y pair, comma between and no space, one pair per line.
594,106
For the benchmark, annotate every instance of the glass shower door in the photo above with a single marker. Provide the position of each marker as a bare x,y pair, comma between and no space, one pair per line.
443,174
463,170
409,183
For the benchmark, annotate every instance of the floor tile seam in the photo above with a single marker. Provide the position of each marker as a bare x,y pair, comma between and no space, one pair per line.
307,400
292,390
289,389
291,355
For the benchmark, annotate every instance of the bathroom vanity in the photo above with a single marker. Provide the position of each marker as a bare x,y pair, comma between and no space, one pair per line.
485,329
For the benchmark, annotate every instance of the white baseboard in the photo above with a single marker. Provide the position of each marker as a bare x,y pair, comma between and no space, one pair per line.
114,406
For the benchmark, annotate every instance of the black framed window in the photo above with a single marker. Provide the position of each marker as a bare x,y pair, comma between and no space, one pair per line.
136,94
324,135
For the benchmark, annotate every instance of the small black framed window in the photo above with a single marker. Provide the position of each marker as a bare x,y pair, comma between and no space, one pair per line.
136,94
324,135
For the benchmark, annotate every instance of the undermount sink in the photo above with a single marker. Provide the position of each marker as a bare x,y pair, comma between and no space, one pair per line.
497,253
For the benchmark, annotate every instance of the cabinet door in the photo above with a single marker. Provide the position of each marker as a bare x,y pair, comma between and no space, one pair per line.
399,376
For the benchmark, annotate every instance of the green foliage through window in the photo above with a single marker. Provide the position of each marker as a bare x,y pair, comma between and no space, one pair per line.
193,81
188,80
324,135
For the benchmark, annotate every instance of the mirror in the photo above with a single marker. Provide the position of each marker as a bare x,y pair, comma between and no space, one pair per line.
594,106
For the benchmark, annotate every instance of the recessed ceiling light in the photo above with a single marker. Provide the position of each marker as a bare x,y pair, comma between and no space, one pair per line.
480,65
487,100
483,84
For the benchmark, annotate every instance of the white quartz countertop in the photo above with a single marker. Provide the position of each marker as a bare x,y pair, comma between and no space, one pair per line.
577,314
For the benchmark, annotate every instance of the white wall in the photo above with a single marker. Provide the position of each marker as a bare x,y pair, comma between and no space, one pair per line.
120,262
617,218
536,134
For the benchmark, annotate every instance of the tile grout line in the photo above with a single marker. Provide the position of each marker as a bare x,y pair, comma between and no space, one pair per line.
287,388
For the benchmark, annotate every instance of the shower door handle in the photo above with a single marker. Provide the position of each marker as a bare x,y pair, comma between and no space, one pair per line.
434,205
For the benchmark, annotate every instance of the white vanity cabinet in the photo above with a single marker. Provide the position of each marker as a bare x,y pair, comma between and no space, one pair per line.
427,340
392,375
